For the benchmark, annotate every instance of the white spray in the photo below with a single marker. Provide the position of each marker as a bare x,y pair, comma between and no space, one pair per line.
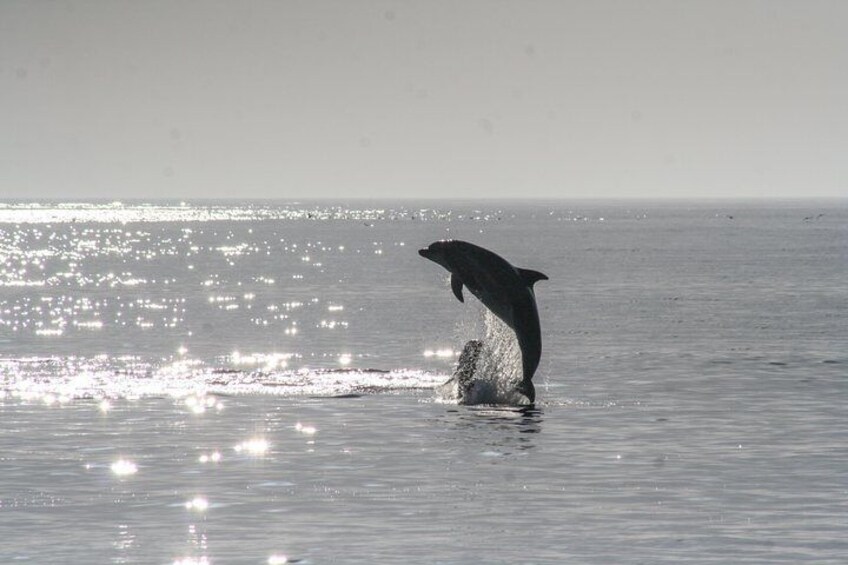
498,366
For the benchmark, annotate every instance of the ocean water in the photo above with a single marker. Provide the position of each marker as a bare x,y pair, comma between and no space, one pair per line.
256,382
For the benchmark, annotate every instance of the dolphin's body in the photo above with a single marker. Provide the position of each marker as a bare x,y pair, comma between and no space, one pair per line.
505,290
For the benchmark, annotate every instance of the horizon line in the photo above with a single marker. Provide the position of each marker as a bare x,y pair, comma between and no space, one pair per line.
178,199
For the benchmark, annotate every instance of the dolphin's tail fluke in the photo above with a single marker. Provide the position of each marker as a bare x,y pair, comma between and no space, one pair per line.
531,277
526,388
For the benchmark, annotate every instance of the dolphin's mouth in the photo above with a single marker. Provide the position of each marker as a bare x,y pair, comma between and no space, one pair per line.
426,253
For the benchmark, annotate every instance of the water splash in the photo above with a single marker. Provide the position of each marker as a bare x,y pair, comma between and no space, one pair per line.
497,369
501,355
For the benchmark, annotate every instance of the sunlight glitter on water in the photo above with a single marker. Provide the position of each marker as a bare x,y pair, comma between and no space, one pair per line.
191,381
214,457
306,430
198,504
198,404
117,212
268,361
192,561
444,353
254,446
124,467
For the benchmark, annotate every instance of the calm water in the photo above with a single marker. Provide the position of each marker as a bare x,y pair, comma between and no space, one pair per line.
253,383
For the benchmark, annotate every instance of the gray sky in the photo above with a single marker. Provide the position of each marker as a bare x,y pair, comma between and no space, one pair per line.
423,99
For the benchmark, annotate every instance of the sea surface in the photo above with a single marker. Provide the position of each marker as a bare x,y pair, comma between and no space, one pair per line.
256,382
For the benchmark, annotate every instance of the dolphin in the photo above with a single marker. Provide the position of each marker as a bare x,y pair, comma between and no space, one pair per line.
505,290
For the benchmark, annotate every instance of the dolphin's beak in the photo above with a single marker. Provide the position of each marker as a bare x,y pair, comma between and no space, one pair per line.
426,253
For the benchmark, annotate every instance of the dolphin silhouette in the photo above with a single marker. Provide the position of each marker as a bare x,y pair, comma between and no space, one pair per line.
505,290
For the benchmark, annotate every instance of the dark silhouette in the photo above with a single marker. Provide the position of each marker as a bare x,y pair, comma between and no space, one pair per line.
505,290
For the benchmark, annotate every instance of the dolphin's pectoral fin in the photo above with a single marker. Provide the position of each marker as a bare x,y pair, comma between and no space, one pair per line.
456,287
531,277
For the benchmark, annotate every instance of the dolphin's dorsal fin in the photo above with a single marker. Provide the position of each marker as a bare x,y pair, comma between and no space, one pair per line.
456,287
531,277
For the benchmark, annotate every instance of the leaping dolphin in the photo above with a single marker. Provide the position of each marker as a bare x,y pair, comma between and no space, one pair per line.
505,290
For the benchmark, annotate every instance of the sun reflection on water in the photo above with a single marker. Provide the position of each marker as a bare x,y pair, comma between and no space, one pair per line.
124,467
193,383
444,353
254,446
198,504
203,560
198,404
306,430
214,457
135,283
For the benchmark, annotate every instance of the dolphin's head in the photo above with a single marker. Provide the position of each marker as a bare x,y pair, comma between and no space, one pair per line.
438,252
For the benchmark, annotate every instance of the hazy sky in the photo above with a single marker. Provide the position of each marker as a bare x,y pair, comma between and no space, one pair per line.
423,99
